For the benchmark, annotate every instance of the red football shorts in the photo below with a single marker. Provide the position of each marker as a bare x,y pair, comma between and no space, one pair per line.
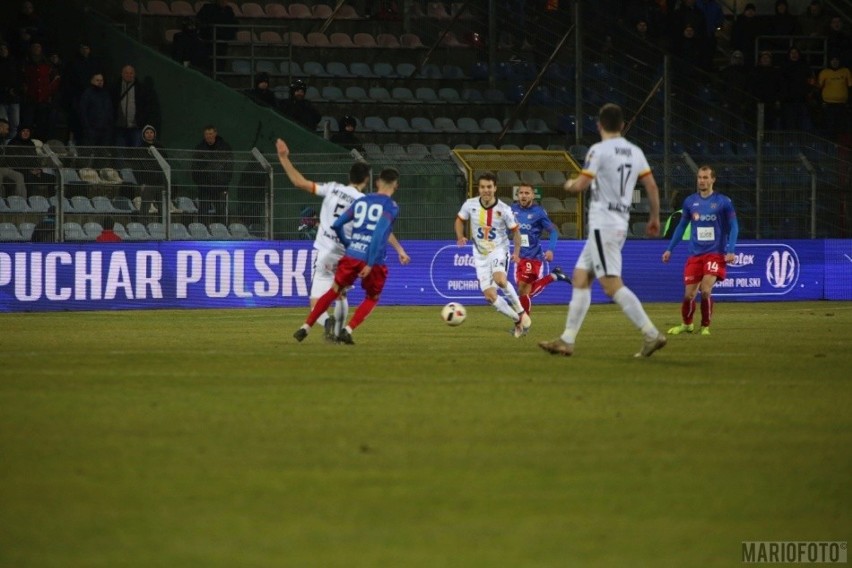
347,273
697,267
527,270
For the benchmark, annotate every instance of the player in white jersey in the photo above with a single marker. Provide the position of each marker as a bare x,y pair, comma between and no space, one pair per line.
611,169
328,249
491,221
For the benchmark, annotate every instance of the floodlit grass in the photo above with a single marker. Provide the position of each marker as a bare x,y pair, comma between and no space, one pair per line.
213,439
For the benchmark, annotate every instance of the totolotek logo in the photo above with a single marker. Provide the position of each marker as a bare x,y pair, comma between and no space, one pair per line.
453,273
761,269
782,268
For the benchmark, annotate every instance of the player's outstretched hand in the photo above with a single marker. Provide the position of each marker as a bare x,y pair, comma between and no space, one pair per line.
365,271
461,242
404,258
666,256
282,149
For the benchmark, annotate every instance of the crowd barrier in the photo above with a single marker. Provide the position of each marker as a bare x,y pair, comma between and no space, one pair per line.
262,274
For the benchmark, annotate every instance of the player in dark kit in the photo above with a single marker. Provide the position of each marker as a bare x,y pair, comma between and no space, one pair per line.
533,220
372,218
714,238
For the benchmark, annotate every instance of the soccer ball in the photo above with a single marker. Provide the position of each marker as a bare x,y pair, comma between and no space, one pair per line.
453,314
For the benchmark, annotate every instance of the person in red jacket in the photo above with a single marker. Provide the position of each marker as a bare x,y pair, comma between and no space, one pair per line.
41,82
108,233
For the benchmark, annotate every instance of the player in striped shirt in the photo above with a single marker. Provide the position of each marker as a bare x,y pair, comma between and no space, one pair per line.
612,169
711,247
533,220
491,221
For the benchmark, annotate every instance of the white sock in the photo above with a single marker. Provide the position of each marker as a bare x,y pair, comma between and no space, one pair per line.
341,312
632,308
505,309
581,299
512,295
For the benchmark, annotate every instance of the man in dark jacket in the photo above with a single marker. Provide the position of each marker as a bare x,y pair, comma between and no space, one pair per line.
298,109
261,92
212,170
135,105
96,114
188,48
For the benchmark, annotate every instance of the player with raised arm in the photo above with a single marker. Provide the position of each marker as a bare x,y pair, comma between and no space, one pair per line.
711,247
611,169
371,219
533,220
491,221
337,198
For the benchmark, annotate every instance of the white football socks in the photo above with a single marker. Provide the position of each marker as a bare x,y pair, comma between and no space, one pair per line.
581,299
512,295
504,308
632,308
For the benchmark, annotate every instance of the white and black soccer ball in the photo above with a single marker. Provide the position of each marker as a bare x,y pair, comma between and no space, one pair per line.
453,314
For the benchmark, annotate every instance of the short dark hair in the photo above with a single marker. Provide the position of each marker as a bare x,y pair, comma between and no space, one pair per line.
490,176
109,223
389,175
708,167
611,117
359,172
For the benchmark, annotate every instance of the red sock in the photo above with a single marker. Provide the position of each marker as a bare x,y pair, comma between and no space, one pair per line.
362,312
687,310
526,303
322,305
706,310
540,285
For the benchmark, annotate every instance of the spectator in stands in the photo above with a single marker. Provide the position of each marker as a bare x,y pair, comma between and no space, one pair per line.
108,232
36,179
651,12
839,41
261,93
78,76
41,83
813,23
212,170
687,14
766,87
7,174
298,109
95,114
45,230
347,137
216,21
149,175
188,48
798,83
30,20
714,18
11,87
834,84
693,48
783,23
746,29
135,105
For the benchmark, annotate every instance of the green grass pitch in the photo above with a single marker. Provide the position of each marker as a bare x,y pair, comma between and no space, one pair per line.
213,439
